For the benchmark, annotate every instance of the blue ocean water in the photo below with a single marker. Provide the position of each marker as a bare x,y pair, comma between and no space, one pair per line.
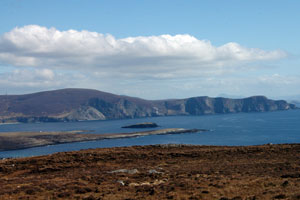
226,129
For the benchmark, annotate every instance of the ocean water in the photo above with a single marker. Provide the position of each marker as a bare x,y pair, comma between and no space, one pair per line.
226,129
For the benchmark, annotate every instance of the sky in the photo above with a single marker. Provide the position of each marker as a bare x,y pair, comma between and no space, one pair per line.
152,49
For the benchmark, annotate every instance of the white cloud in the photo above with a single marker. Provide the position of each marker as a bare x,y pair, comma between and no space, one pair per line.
46,74
162,56
35,78
31,80
38,58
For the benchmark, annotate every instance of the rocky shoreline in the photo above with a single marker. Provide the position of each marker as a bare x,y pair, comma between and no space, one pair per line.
22,140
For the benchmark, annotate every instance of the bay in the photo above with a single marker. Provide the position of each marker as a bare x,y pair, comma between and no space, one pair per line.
227,129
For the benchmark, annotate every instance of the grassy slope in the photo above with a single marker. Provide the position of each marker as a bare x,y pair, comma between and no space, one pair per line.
157,172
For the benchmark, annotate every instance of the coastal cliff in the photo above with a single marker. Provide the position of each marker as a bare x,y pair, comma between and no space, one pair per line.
85,104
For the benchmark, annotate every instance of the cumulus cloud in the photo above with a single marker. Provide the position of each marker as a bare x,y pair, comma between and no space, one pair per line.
162,56
40,58
29,78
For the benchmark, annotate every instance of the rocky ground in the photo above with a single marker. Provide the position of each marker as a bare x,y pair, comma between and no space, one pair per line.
156,172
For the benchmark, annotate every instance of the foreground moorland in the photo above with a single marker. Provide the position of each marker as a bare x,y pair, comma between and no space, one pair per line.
156,172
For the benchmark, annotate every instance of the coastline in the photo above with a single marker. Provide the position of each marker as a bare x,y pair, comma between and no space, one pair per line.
23,140
7,123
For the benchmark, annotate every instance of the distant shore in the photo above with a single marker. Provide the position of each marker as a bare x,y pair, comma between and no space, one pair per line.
23,140
7,123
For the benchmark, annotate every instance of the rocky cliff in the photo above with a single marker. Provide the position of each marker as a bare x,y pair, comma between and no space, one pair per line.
84,104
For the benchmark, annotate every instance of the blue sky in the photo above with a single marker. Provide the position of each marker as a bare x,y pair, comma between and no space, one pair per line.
253,47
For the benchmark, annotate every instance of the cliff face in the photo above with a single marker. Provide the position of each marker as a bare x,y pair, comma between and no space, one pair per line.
206,105
82,104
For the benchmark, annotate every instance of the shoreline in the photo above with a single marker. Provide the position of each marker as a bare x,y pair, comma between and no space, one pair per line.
8,123
175,115
23,140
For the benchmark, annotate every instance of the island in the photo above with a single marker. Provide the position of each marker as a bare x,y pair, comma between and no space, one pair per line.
22,140
142,125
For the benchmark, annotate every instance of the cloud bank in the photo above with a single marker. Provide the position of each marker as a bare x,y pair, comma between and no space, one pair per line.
153,67
162,56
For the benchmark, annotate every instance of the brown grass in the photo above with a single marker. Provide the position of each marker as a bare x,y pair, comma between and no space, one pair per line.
157,172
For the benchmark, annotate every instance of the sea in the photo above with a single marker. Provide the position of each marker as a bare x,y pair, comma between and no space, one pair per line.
239,129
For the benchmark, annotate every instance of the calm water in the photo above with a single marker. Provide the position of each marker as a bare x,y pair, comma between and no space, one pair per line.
227,129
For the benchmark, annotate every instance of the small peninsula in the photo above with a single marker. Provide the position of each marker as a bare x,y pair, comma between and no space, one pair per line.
22,140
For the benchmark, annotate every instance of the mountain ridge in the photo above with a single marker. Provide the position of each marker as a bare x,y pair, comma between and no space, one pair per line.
74,104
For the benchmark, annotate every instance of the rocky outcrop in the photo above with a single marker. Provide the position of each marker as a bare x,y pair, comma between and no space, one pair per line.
83,104
85,113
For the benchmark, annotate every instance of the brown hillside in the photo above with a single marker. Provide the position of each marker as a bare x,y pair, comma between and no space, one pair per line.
157,172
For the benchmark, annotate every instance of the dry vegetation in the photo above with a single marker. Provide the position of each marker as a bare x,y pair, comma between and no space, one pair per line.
156,172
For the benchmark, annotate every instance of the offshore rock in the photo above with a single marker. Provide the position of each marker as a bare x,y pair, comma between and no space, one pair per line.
142,125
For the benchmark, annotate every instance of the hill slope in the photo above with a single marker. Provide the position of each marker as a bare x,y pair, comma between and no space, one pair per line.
156,172
85,104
